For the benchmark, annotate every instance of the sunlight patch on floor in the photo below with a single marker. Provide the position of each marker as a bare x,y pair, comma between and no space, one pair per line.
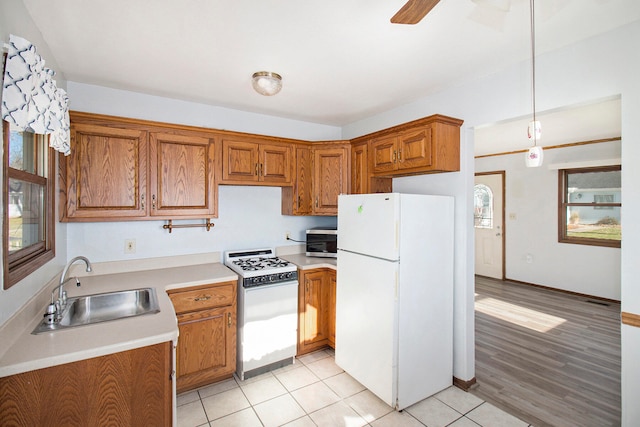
518,315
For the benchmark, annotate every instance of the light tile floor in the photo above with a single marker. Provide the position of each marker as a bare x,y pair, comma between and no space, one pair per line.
314,391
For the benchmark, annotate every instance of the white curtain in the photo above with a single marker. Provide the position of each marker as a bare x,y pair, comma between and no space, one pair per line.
30,98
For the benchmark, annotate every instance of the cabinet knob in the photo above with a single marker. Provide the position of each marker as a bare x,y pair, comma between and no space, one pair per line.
257,169
393,158
203,298
142,201
229,320
153,201
400,154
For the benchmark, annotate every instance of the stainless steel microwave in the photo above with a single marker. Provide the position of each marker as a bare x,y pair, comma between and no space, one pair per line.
322,242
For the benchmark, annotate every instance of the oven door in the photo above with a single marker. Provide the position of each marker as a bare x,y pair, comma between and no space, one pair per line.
268,326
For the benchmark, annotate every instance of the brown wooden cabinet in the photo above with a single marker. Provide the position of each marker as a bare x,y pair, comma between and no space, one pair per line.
408,150
127,169
427,145
298,199
316,309
106,174
123,169
322,173
360,168
130,388
252,161
331,313
182,175
362,180
207,334
330,178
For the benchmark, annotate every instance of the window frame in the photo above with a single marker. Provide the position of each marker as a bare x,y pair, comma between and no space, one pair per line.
476,218
23,262
563,204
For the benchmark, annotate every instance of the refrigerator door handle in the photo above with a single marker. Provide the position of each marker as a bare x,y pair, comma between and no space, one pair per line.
369,256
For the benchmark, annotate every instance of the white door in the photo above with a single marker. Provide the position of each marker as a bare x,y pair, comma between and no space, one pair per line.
489,224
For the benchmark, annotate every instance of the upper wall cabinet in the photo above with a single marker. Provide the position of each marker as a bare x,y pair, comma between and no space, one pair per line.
259,162
181,175
322,173
298,199
122,169
362,180
426,145
106,174
330,178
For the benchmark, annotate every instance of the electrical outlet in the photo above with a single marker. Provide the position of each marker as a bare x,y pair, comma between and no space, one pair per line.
130,246
288,235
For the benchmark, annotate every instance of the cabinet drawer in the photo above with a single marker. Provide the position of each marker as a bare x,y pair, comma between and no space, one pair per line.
202,298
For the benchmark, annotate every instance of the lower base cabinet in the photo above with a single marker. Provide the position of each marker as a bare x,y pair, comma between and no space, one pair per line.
316,309
206,350
130,388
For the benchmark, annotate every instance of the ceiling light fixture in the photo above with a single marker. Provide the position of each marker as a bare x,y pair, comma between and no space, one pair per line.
534,154
267,83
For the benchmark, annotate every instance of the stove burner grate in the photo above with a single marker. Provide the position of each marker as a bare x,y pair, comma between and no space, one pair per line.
253,264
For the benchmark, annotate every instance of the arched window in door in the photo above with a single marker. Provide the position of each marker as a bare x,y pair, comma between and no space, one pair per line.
482,206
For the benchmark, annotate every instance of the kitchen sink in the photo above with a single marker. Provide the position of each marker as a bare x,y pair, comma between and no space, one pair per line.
97,308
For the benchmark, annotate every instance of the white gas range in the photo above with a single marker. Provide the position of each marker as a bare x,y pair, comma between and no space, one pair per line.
267,310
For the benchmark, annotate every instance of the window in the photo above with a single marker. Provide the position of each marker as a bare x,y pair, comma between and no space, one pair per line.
590,206
482,206
28,223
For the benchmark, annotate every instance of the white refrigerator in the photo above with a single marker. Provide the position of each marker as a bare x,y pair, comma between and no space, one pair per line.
394,294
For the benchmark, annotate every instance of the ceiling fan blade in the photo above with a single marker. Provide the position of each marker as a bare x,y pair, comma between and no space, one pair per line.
413,11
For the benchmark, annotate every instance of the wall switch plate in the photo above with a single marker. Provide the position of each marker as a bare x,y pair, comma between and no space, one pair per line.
130,246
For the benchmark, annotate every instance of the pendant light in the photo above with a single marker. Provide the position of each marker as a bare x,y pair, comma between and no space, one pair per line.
534,154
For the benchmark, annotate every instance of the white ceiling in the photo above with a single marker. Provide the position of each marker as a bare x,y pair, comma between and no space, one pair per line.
341,60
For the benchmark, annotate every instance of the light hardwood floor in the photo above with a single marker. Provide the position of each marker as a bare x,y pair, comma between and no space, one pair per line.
549,358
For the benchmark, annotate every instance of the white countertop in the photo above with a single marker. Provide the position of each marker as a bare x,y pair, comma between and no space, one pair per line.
29,352
308,263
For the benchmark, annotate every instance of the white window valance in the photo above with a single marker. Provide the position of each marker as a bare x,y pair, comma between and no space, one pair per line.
31,99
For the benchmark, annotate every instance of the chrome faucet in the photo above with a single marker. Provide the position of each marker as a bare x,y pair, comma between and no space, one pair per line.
54,310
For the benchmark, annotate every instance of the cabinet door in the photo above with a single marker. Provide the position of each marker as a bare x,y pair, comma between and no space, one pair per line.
129,388
303,203
106,173
275,163
415,149
206,347
240,161
313,312
331,309
181,172
383,154
359,169
330,179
